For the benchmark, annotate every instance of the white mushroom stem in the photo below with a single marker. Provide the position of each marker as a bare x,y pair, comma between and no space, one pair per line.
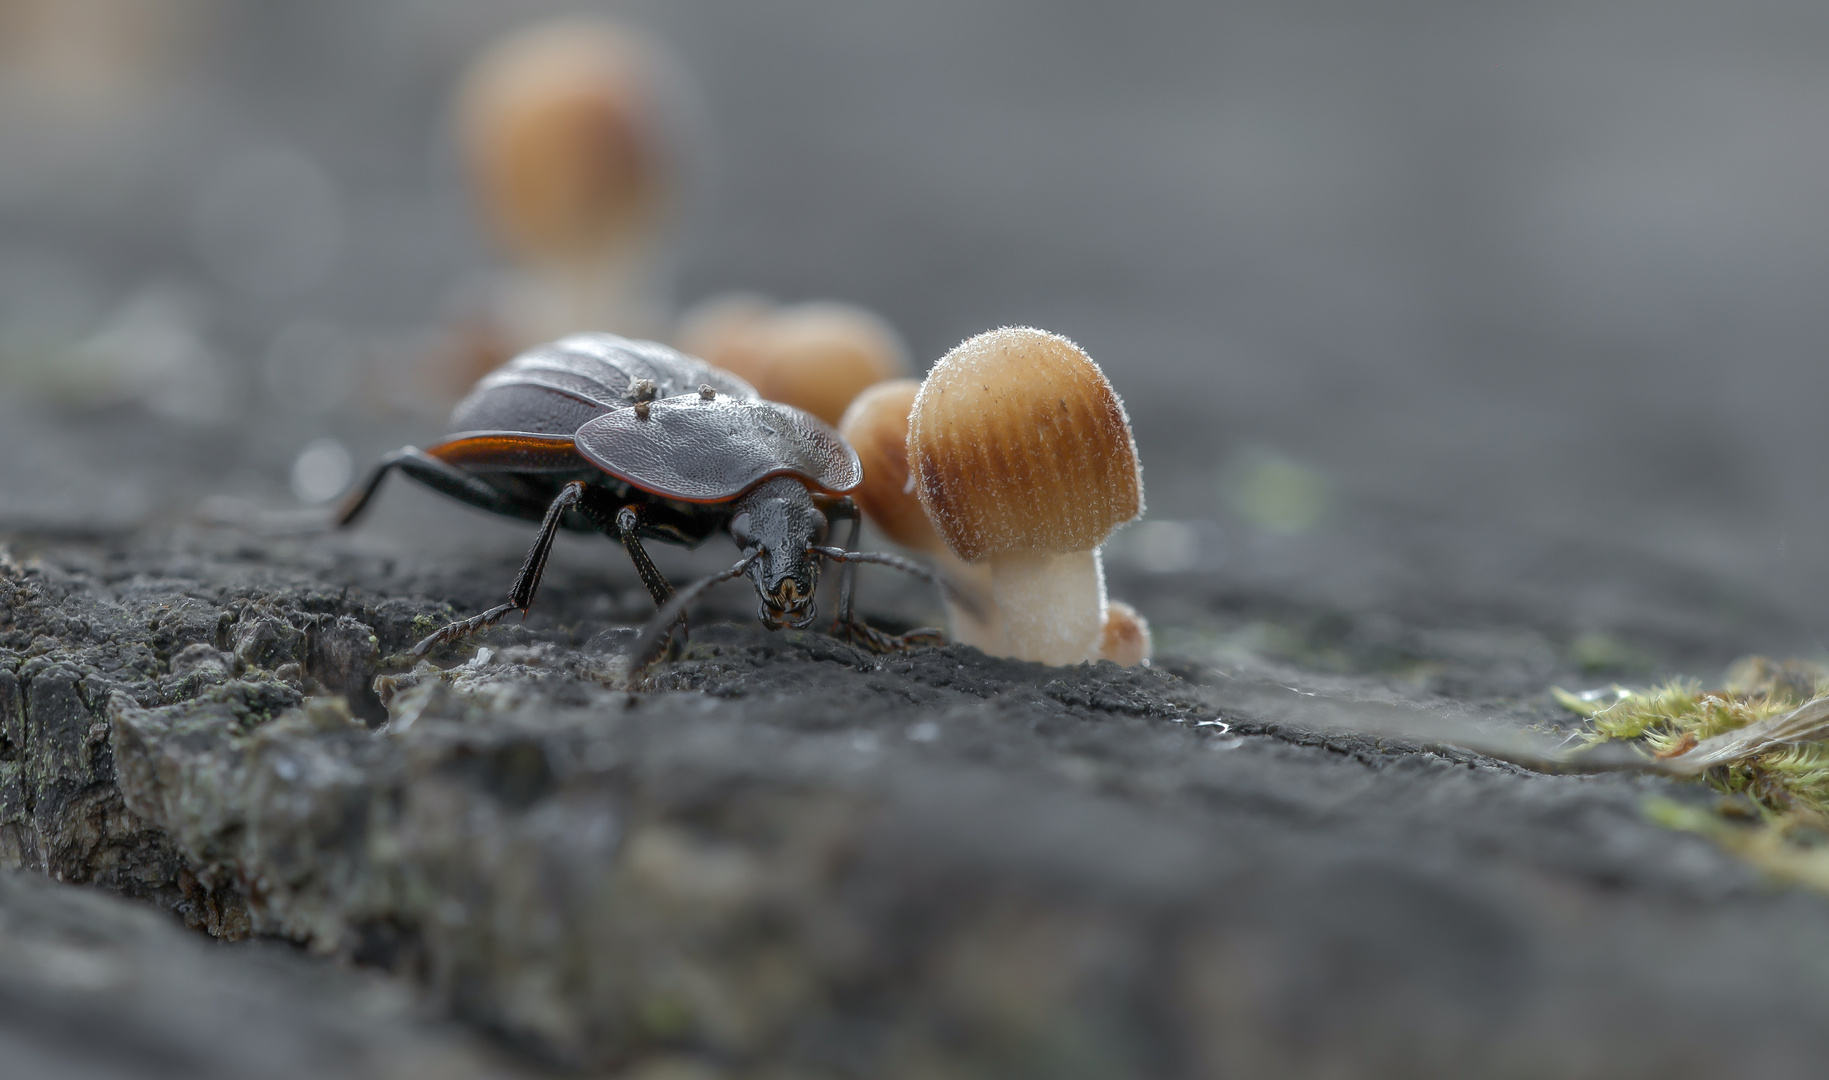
982,630
1052,606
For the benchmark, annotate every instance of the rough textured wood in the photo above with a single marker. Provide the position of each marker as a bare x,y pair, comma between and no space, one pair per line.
93,987
783,853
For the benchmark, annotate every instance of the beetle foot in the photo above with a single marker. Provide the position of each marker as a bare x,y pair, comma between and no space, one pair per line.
456,630
878,641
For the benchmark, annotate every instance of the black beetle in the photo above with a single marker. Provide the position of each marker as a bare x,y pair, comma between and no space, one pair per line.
598,433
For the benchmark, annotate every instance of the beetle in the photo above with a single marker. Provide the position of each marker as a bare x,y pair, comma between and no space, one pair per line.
599,433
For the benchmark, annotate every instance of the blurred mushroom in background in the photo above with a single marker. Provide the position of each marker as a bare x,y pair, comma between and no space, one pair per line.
567,147
815,356
95,59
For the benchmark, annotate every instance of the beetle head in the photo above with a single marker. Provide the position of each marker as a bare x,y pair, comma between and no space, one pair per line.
778,517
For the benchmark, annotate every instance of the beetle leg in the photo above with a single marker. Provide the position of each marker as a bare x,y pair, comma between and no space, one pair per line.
881,641
526,583
446,634
861,633
441,476
971,604
628,527
647,644
847,573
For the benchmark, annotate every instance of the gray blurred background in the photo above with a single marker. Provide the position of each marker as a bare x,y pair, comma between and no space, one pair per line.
1534,277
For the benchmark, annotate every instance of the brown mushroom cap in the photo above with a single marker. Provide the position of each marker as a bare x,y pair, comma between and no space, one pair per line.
560,137
876,426
1018,444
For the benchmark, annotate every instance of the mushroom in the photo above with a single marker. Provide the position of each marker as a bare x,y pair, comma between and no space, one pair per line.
815,356
1126,639
96,63
1023,458
876,426
562,137
724,331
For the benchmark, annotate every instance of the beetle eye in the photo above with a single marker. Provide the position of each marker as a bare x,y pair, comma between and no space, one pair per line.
740,530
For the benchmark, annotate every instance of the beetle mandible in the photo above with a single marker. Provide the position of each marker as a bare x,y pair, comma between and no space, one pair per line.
598,433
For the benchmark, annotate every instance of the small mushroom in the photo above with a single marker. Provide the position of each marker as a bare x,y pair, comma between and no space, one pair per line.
724,330
1023,458
876,426
814,356
564,141
1126,639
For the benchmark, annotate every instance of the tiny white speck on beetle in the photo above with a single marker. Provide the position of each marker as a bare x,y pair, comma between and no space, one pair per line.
1220,724
482,657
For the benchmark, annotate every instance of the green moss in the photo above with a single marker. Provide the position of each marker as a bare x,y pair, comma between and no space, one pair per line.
665,1016
1666,721
1775,807
1792,848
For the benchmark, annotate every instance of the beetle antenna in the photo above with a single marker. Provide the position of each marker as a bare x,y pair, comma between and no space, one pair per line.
654,632
965,600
